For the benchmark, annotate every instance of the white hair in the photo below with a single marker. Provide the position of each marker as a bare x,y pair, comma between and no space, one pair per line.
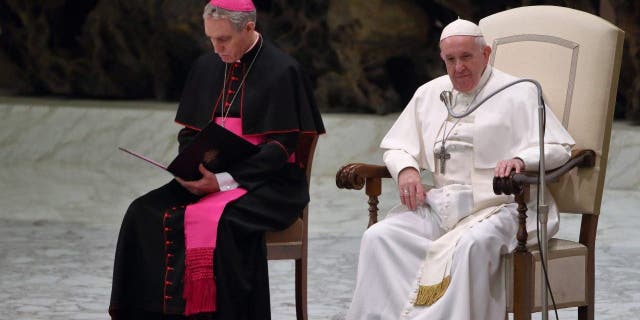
480,41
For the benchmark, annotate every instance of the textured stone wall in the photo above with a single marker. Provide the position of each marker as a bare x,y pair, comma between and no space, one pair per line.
362,55
104,49
627,17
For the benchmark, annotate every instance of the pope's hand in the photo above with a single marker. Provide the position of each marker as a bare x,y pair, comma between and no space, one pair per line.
410,188
504,167
207,184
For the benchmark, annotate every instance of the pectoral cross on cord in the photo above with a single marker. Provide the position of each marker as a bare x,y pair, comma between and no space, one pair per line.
443,156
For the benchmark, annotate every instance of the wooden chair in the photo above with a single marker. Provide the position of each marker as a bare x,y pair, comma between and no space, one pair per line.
292,243
576,57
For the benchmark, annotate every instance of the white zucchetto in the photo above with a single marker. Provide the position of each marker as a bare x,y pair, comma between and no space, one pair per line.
461,27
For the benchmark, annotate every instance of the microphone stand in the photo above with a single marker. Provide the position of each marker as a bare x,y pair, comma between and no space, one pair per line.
543,209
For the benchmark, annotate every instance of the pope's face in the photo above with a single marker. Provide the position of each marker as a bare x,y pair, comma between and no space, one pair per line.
465,61
229,43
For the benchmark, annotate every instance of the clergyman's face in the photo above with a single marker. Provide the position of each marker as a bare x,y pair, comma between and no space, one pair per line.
465,61
230,44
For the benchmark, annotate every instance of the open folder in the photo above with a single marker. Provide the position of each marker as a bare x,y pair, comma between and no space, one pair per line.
214,145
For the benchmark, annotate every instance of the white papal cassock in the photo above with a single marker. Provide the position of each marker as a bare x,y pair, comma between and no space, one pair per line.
393,251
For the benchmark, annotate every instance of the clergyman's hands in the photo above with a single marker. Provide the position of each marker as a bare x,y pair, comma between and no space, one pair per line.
207,184
504,167
410,188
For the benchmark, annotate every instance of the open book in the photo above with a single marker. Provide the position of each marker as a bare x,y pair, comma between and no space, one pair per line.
214,145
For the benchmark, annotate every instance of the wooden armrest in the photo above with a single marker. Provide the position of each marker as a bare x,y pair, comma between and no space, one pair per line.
357,175
354,175
580,158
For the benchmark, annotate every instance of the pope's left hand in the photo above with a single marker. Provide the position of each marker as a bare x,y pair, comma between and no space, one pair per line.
504,167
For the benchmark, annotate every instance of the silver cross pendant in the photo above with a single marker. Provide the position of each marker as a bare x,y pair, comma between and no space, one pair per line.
443,156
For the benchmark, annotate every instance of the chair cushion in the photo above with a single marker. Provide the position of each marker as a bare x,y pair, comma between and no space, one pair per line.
567,266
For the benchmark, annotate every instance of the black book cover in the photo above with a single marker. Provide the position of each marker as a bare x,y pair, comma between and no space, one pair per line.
214,145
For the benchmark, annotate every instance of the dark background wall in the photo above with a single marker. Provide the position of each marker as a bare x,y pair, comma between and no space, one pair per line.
363,55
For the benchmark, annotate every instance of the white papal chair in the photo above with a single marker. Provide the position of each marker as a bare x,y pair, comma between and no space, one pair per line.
576,57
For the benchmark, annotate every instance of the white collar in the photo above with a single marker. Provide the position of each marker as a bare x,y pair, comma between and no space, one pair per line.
252,45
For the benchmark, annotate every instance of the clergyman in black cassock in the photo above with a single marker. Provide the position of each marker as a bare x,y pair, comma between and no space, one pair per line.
250,81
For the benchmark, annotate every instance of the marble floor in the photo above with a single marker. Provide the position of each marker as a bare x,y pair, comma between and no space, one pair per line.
65,188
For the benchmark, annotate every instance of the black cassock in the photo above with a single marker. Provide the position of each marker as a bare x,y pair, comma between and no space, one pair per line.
275,101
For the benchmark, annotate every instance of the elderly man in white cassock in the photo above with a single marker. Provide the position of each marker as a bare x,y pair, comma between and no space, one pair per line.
437,254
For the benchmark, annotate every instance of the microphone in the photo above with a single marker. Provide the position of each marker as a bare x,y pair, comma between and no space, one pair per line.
447,98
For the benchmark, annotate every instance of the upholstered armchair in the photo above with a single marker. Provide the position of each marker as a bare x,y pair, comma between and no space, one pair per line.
576,58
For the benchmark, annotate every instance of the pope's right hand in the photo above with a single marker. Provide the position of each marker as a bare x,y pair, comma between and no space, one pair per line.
410,188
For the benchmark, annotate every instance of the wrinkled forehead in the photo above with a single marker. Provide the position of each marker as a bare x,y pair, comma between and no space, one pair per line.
458,44
219,27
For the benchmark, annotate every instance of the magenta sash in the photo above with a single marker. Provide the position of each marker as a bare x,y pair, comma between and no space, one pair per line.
200,231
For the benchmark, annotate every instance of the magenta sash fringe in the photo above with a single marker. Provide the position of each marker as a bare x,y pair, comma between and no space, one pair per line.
200,230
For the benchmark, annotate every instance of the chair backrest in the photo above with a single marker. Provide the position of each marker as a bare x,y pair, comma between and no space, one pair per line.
576,58
304,152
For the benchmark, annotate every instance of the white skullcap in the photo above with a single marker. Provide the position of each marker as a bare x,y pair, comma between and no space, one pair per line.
461,27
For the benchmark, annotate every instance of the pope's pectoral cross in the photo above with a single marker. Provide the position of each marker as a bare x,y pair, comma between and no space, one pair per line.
443,156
